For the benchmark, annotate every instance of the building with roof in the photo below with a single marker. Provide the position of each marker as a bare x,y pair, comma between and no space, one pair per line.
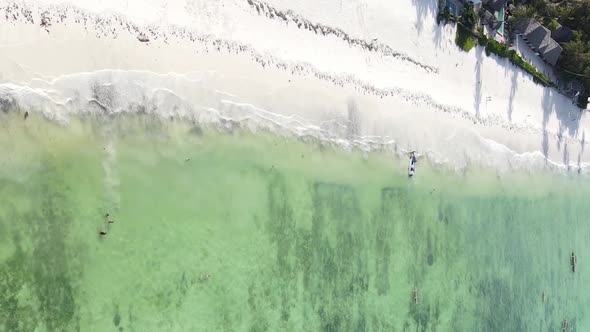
494,5
492,15
455,7
489,20
538,38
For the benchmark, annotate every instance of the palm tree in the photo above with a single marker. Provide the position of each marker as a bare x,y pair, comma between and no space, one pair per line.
468,17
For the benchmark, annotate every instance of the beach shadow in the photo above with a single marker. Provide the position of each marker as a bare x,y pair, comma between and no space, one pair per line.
559,136
566,157
545,144
566,112
437,38
547,109
513,87
568,116
583,141
477,94
423,9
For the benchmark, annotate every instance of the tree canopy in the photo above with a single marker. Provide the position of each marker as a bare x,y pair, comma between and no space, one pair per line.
468,17
575,58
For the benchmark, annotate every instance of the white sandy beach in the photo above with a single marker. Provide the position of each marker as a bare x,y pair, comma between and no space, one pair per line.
411,89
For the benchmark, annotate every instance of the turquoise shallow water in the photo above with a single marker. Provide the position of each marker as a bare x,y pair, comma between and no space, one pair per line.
295,237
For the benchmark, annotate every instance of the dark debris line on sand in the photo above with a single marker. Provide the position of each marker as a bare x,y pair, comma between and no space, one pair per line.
289,16
111,26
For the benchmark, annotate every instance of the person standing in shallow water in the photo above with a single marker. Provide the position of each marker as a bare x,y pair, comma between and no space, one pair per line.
573,262
412,167
109,221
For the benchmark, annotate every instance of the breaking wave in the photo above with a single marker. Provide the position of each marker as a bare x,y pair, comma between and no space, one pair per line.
112,92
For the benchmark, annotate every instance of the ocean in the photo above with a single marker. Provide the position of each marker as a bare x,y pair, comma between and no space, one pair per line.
223,229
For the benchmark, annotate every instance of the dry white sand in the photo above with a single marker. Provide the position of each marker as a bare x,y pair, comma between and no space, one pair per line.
216,60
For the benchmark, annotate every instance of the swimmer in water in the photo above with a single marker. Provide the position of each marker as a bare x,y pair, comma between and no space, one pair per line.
415,295
102,233
204,276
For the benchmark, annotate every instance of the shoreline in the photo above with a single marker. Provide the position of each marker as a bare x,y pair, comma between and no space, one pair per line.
196,81
271,158
89,133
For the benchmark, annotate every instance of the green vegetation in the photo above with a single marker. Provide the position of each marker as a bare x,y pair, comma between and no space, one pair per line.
444,15
498,49
468,17
552,25
502,51
464,36
465,39
574,62
482,40
522,12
